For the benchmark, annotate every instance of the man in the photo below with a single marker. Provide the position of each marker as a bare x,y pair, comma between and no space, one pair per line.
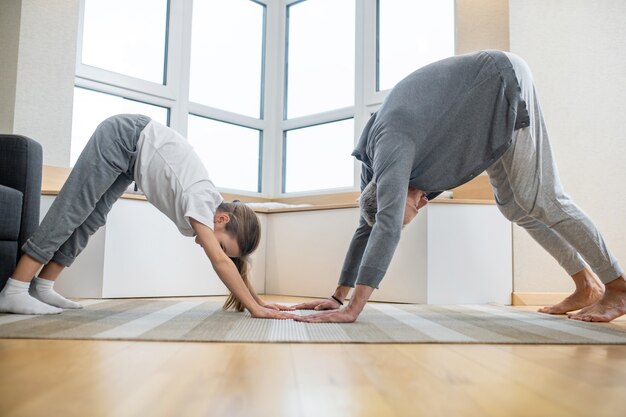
439,128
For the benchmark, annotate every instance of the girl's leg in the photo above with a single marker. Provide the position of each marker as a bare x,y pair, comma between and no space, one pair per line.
51,271
74,245
14,297
106,157
41,287
109,154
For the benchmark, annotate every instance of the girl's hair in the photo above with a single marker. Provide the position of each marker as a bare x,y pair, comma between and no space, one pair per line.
245,228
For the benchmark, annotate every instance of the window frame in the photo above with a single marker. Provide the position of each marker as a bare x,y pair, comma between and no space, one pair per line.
174,94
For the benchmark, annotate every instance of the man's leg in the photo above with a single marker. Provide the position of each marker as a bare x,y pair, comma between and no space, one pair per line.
588,289
534,179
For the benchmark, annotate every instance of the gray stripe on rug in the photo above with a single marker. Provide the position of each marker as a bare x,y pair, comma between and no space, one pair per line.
109,317
504,331
479,330
327,332
179,327
429,328
141,325
530,330
215,326
47,326
577,329
12,318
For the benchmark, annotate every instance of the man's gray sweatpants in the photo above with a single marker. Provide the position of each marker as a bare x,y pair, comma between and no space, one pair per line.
101,175
528,192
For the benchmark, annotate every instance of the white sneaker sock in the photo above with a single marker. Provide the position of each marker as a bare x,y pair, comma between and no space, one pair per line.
41,289
14,298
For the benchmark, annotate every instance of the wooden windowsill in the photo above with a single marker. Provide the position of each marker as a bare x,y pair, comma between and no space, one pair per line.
477,191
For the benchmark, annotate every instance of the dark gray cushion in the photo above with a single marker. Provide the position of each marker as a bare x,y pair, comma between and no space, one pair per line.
8,253
20,169
21,163
11,209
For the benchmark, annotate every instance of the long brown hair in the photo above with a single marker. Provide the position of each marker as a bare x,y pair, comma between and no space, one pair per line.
244,226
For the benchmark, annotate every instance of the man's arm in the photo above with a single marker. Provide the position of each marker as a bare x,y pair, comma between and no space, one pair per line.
392,167
348,314
351,261
227,272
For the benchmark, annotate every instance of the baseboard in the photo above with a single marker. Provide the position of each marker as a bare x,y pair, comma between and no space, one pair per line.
537,298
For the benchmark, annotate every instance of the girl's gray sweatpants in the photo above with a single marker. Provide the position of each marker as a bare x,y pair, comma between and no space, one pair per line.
101,175
528,192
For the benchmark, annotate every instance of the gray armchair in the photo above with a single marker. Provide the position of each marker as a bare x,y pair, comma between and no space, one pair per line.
20,194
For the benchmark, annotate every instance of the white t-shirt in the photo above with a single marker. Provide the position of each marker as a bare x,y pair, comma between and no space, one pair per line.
173,178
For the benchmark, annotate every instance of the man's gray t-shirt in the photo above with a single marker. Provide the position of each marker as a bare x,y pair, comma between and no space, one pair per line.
437,129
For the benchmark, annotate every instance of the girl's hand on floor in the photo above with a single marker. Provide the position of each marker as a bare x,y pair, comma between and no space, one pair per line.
325,304
344,315
279,307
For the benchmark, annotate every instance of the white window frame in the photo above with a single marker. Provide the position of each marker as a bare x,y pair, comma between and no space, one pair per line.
175,93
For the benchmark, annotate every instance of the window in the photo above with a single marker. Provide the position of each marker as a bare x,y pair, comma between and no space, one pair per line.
92,107
320,77
319,157
214,96
320,56
126,37
271,94
229,152
411,34
227,55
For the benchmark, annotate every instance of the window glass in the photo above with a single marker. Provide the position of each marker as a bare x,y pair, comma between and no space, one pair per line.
227,55
320,56
126,36
92,107
319,157
229,152
411,34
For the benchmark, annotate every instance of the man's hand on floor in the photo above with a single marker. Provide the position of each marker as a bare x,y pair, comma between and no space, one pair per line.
345,315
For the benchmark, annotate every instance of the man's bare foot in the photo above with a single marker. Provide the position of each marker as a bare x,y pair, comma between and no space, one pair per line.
611,306
588,291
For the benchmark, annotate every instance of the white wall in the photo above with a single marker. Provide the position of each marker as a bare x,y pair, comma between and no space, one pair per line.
9,40
577,51
481,24
38,58
450,254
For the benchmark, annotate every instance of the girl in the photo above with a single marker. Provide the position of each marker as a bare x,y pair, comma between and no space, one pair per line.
123,149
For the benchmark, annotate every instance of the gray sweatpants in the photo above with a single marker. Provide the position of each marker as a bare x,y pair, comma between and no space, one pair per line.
101,175
528,192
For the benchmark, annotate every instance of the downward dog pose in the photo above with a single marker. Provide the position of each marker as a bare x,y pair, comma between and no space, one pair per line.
437,129
123,149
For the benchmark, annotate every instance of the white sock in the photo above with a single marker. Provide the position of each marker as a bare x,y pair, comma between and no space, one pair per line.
41,289
14,298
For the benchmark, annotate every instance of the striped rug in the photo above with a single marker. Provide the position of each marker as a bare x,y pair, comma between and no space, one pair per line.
205,321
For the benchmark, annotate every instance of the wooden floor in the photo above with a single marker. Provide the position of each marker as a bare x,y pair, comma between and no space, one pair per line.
136,379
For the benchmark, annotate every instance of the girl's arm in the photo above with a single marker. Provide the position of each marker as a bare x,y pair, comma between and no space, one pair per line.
227,272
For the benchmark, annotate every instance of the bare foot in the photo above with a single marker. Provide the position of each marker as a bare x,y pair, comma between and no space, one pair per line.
588,291
611,306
